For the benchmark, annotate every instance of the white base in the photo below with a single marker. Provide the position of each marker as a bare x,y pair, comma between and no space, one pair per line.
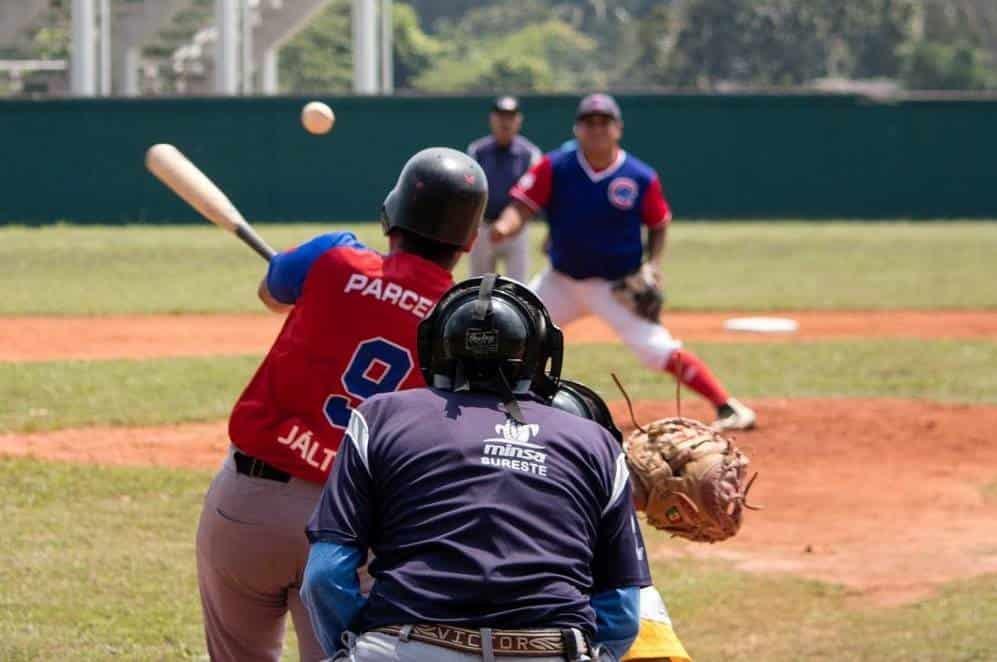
762,324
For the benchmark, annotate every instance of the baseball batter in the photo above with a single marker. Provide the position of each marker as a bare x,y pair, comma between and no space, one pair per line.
597,199
505,155
350,334
502,528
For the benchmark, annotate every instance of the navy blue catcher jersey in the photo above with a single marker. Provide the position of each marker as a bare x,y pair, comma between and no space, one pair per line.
476,520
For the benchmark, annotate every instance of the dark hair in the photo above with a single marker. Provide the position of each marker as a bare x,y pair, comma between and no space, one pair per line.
429,249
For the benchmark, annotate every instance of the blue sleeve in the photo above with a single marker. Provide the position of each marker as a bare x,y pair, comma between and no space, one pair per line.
617,618
330,591
619,560
288,270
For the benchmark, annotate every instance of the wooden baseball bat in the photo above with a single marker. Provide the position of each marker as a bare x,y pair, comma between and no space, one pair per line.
185,179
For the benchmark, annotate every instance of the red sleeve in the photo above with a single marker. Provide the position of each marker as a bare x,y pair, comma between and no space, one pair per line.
533,188
656,212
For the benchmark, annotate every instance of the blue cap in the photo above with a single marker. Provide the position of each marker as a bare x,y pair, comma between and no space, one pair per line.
598,104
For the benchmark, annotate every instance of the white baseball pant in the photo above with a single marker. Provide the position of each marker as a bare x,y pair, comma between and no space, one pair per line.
568,299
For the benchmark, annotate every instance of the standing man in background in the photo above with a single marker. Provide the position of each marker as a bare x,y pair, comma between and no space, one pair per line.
505,156
599,200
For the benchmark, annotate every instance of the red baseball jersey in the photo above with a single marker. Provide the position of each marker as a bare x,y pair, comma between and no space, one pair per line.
350,335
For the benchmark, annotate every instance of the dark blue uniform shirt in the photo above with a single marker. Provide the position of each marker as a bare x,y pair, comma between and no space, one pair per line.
477,521
503,166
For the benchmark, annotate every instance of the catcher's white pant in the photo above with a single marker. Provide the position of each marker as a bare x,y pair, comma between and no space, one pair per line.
568,299
515,252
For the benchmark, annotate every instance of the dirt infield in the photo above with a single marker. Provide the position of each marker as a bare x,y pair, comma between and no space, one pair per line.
889,497
51,338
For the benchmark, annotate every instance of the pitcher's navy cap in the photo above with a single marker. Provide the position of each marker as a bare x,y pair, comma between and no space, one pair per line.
598,104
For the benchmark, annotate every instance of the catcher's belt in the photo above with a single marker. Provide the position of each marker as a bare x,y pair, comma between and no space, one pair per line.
572,644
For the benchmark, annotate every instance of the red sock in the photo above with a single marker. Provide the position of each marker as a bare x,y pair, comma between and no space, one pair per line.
691,371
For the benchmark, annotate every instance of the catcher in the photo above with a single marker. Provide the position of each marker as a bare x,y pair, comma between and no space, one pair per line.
687,479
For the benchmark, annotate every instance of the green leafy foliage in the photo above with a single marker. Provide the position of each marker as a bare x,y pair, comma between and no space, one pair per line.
415,51
524,59
784,42
937,66
319,58
564,45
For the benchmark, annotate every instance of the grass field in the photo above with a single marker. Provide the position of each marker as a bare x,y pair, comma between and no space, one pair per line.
59,394
64,270
98,563
127,589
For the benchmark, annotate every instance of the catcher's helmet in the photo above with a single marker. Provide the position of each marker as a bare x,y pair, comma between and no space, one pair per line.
440,195
577,398
491,334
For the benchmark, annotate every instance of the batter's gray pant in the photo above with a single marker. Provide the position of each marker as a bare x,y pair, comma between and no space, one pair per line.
381,647
514,251
251,554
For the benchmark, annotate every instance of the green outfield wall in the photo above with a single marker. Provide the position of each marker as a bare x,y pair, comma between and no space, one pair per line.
751,156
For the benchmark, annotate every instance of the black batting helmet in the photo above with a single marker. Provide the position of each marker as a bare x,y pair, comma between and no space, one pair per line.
578,399
491,334
440,195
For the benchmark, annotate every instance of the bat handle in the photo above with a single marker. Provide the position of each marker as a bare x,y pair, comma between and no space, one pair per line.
248,235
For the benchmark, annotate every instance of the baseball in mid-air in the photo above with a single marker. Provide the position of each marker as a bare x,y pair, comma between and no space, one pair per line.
317,118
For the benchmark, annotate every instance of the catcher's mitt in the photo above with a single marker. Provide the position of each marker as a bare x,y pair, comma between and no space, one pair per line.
639,293
690,480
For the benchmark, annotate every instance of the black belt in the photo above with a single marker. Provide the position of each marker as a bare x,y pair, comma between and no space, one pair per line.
569,644
250,466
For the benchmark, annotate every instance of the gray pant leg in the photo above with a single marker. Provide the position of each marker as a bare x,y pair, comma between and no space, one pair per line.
517,257
482,256
309,648
251,554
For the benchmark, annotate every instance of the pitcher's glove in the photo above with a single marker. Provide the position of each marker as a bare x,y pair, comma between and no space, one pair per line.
689,480
639,292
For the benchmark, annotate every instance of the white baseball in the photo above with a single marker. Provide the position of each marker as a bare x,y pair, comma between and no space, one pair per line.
317,117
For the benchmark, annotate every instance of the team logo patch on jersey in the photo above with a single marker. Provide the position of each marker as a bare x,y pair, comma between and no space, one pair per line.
512,449
623,193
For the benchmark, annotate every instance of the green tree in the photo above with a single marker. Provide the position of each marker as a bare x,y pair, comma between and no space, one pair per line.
710,44
319,58
515,72
785,42
414,50
547,56
935,66
874,33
